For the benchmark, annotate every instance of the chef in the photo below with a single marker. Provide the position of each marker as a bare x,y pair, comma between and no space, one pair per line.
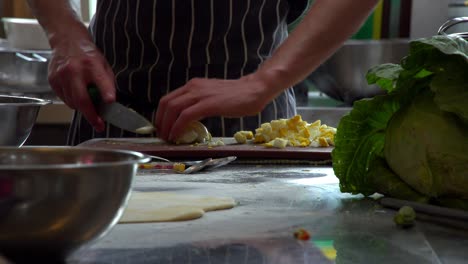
229,63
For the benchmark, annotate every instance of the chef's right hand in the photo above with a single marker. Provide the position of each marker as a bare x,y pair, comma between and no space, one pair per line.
75,63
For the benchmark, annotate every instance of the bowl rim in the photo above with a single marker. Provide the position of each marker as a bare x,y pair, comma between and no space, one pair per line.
139,157
34,101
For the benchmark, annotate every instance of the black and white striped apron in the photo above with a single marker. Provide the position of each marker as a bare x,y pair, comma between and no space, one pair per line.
156,46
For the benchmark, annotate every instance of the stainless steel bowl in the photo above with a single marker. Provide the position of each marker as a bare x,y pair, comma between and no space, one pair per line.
18,115
343,75
53,200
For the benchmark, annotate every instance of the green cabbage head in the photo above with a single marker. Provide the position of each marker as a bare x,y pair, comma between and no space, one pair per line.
412,142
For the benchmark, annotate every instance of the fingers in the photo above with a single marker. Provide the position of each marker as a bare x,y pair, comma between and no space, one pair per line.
201,98
60,75
175,105
163,105
70,76
55,80
194,112
104,80
78,89
181,112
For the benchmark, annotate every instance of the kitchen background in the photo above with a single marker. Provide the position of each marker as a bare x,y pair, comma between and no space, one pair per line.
392,23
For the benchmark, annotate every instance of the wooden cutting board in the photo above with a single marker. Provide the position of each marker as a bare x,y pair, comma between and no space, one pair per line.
157,147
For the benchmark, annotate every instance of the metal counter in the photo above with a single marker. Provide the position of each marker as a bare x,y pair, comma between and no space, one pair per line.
273,202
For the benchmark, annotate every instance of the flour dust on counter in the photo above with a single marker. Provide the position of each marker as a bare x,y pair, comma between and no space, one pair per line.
146,207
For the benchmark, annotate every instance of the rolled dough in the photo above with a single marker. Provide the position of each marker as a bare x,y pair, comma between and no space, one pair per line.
167,207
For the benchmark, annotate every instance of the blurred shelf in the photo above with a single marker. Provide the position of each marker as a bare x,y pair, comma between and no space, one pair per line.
55,114
319,99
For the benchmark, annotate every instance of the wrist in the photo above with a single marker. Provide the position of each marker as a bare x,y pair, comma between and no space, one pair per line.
272,82
70,31
59,21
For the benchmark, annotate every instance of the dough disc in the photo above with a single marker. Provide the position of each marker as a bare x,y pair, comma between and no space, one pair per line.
168,207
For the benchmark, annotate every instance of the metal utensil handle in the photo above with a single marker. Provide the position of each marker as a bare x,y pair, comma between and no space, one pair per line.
35,57
450,23
426,208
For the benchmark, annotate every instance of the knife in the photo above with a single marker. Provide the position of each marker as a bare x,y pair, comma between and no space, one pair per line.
120,115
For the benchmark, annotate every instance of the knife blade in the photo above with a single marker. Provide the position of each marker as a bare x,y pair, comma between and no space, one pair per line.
120,115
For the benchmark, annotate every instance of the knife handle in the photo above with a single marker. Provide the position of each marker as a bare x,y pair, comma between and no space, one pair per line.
94,95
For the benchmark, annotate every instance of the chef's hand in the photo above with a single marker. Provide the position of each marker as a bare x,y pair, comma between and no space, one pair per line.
75,63
201,98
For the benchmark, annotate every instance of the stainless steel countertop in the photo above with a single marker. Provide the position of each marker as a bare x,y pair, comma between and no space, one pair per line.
273,201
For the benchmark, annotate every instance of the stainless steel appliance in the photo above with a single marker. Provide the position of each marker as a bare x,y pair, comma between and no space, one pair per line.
343,76
23,71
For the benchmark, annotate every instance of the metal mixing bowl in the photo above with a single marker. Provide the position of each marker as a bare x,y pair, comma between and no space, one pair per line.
55,199
18,115
343,75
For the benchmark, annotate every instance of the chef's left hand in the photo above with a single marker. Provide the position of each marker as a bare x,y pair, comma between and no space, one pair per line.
201,98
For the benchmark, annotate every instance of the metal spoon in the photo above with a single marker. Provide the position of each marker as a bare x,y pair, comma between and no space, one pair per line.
215,163
158,158
198,165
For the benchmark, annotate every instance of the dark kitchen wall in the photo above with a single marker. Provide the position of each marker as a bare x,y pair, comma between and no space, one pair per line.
2,34
13,8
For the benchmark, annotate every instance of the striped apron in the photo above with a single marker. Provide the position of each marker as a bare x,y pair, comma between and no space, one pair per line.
156,46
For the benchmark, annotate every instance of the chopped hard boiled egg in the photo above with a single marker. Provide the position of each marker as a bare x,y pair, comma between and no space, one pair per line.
216,143
242,136
179,167
292,132
277,143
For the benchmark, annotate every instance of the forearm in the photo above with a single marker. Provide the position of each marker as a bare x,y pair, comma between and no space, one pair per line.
322,31
76,62
59,20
